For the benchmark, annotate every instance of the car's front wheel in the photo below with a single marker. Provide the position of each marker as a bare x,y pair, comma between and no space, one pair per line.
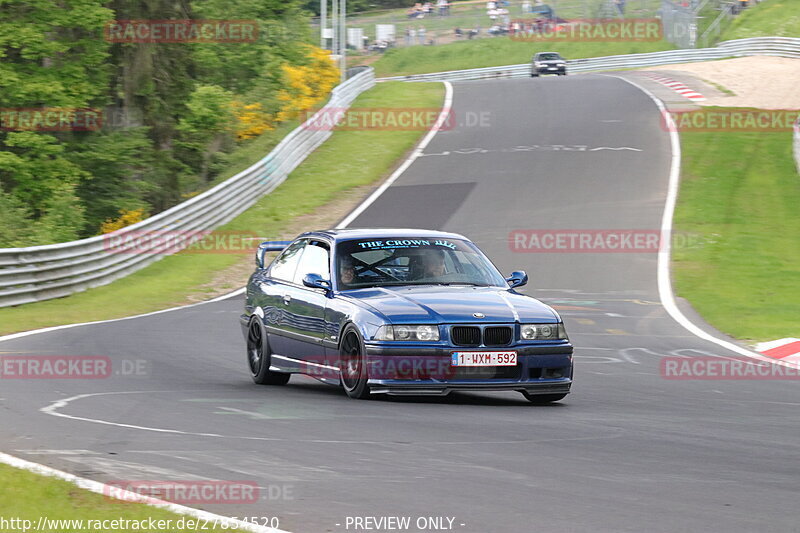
352,364
542,399
259,356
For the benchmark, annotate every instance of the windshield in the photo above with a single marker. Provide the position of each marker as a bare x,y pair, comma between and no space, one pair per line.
413,261
549,57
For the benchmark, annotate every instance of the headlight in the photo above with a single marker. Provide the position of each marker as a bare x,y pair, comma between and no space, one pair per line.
543,332
407,333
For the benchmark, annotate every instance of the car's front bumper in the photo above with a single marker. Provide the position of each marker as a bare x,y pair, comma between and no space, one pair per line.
550,70
427,370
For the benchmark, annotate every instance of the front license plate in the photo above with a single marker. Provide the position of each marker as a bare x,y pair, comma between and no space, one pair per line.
483,359
552,68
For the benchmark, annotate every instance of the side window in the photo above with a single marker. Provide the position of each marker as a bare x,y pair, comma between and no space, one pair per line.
314,261
283,268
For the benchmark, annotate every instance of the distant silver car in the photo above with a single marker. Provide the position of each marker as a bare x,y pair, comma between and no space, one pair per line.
548,63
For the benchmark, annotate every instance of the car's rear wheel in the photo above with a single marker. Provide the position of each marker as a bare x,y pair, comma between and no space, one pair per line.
534,75
541,399
259,356
352,364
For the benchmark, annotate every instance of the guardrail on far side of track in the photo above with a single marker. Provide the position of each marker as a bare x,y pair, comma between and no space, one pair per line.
768,46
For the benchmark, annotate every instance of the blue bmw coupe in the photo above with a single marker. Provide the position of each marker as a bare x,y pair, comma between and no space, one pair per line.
400,312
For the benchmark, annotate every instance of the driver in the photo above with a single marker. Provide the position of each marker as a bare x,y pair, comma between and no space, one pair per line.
347,272
433,264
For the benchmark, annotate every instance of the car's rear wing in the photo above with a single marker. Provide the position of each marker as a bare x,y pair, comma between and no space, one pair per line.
273,246
269,246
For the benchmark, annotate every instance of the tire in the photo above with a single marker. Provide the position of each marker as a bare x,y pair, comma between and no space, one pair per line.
259,356
352,364
534,75
542,399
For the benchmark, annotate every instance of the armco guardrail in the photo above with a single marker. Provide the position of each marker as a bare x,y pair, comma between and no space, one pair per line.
44,272
797,144
772,46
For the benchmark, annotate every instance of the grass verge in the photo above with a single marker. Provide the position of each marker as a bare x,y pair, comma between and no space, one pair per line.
498,51
739,192
779,18
27,497
349,159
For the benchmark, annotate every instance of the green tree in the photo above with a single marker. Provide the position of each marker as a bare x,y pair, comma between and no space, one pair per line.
51,53
118,164
33,168
207,125
63,217
15,223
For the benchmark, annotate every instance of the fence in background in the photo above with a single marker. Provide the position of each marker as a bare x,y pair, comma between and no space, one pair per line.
679,23
474,20
693,23
769,46
44,272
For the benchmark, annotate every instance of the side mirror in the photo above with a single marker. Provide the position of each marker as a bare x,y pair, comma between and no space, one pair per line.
518,278
315,281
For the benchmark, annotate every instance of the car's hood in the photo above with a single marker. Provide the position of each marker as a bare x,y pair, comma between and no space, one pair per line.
453,304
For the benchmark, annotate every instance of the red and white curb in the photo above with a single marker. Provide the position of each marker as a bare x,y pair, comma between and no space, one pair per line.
678,87
787,350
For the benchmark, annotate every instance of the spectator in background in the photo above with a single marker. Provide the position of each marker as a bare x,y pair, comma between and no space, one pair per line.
421,35
408,36
526,7
412,34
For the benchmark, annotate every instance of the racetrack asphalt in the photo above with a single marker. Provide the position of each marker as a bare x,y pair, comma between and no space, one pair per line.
627,451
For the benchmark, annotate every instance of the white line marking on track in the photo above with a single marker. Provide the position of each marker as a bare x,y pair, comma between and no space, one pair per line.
68,326
57,452
664,281
124,495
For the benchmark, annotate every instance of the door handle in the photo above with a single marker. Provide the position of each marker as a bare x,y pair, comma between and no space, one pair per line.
287,299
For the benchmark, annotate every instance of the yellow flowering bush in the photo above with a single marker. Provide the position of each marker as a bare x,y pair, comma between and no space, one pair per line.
251,120
307,85
127,217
